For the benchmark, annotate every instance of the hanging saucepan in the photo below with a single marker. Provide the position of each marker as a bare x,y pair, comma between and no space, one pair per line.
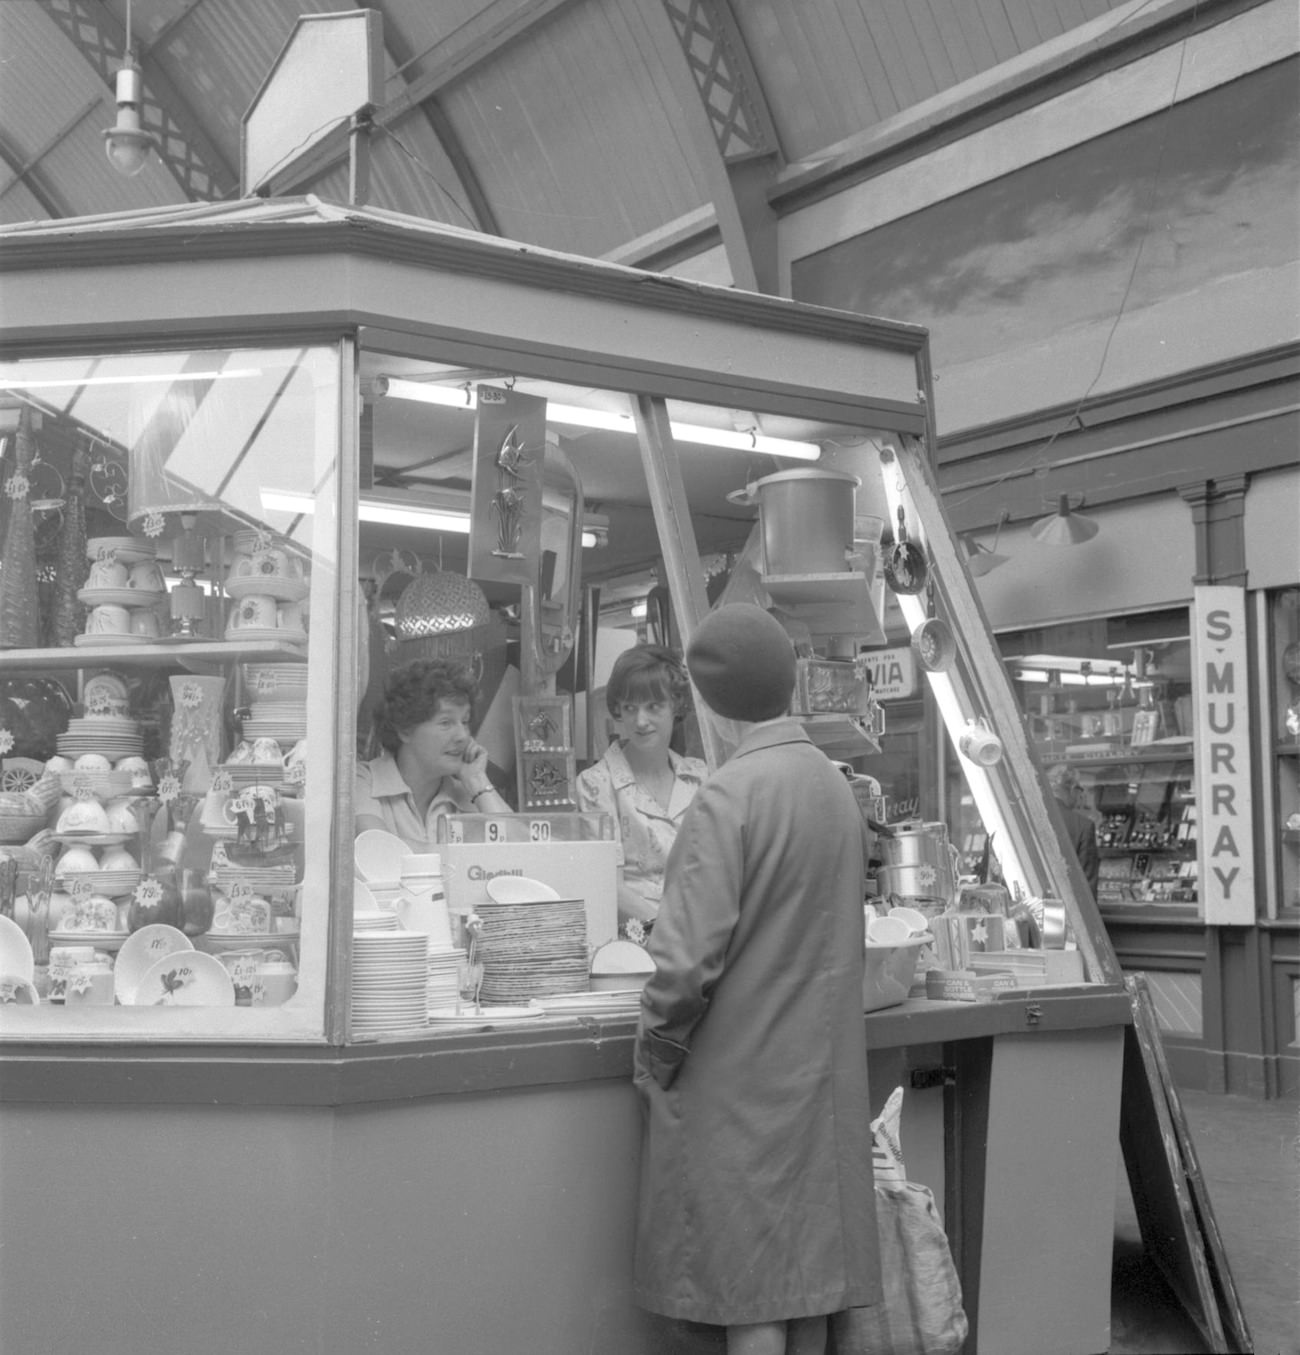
906,569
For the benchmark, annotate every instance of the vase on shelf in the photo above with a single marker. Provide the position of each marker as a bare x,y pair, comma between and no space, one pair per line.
196,732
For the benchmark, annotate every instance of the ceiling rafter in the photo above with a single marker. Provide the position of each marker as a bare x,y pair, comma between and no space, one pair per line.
733,132
399,50
25,172
498,24
725,78
189,153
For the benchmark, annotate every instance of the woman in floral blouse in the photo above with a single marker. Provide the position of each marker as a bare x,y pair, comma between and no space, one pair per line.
640,781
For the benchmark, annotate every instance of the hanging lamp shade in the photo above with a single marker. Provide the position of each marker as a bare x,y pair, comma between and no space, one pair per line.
980,560
438,601
1064,527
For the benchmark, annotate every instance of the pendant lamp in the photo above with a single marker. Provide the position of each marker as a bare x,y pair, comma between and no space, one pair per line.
1064,527
982,560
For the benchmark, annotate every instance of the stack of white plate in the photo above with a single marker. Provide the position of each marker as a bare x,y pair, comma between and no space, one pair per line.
389,980
277,720
445,971
375,920
113,736
276,683
530,949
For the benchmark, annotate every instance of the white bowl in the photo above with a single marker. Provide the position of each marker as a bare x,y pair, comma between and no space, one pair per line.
377,855
519,889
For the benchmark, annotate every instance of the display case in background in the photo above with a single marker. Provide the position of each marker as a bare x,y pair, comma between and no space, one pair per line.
162,591
1284,736
1112,700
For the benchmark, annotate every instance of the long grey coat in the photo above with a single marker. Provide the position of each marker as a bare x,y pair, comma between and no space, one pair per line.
756,1199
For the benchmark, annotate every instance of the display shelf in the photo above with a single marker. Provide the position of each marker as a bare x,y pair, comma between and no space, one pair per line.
829,604
839,735
197,655
1171,752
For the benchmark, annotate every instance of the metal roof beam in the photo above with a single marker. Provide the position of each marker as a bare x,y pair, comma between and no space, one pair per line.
735,139
25,172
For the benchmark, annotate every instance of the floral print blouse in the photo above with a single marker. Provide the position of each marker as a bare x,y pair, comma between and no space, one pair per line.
645,829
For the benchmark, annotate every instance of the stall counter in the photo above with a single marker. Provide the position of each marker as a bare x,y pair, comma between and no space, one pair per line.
476,1193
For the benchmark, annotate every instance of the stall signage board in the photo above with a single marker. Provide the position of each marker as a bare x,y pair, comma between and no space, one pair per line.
1225,817
330,67
893,672
505,525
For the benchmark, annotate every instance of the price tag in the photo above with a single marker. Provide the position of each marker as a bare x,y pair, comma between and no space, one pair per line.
495,831
455,830
539,830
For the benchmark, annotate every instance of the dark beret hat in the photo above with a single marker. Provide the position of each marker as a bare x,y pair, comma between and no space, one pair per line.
742,663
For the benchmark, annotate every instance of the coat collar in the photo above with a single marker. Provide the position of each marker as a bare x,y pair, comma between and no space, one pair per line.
771,735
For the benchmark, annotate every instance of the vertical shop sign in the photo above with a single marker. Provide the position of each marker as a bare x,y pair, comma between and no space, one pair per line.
1225,819
505,529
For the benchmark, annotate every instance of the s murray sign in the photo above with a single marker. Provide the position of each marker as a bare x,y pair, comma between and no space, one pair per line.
1225,830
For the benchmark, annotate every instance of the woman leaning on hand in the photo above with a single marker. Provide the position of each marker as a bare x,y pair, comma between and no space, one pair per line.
431,764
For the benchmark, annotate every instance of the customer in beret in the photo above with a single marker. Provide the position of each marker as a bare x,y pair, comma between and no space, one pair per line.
757,1206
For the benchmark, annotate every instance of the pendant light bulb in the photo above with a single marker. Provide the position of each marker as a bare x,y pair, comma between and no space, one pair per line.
126,142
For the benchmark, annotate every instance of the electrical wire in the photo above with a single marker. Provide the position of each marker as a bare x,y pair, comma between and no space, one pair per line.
1039,453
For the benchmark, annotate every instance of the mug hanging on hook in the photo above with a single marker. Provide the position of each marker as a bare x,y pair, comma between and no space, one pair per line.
906,570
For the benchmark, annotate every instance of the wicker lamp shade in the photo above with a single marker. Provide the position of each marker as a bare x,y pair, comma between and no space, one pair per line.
437,603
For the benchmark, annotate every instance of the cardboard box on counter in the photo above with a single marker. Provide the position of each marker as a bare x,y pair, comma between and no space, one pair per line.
1032,968
965,985
958,936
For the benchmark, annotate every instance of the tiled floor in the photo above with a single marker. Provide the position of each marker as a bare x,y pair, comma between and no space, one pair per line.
1249,1153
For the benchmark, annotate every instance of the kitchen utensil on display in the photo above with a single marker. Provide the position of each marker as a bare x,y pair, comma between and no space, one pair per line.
377,855
15,951
979,743
917,862
906,568
518,889
888,930
934,645
917,922
188,978
140,952
806,519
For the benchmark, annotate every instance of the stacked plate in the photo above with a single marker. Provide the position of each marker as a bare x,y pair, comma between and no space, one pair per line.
389,980
275,720
533,949
375,920
442,987
626,1003
112,736
276,683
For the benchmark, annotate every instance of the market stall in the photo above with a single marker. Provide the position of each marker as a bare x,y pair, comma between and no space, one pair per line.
289,446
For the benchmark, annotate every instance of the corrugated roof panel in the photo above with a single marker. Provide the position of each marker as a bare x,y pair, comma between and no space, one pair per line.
833,68
569,135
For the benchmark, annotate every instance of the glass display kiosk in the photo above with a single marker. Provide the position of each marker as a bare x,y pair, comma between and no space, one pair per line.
193,468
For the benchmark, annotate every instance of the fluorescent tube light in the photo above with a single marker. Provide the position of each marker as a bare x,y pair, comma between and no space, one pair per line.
140,379
392,513
462,397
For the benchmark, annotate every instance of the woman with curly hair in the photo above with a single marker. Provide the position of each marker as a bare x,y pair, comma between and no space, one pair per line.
640,781
431,764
